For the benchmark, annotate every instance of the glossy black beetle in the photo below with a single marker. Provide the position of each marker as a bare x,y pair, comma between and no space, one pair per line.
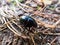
28,21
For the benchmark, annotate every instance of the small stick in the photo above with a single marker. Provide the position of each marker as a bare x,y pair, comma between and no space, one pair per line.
3,29
45,30
58,34
17,25
13,27
44,24
20,6
57,22
32,39
16,32
53,40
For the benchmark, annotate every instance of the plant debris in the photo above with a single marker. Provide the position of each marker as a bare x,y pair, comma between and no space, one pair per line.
46,13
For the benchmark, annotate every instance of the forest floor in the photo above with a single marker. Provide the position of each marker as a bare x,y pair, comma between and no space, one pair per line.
45,12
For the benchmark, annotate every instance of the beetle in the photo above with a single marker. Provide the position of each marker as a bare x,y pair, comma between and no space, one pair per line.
28,21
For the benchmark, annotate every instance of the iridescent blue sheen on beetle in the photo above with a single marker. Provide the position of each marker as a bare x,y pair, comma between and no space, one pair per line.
27,21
